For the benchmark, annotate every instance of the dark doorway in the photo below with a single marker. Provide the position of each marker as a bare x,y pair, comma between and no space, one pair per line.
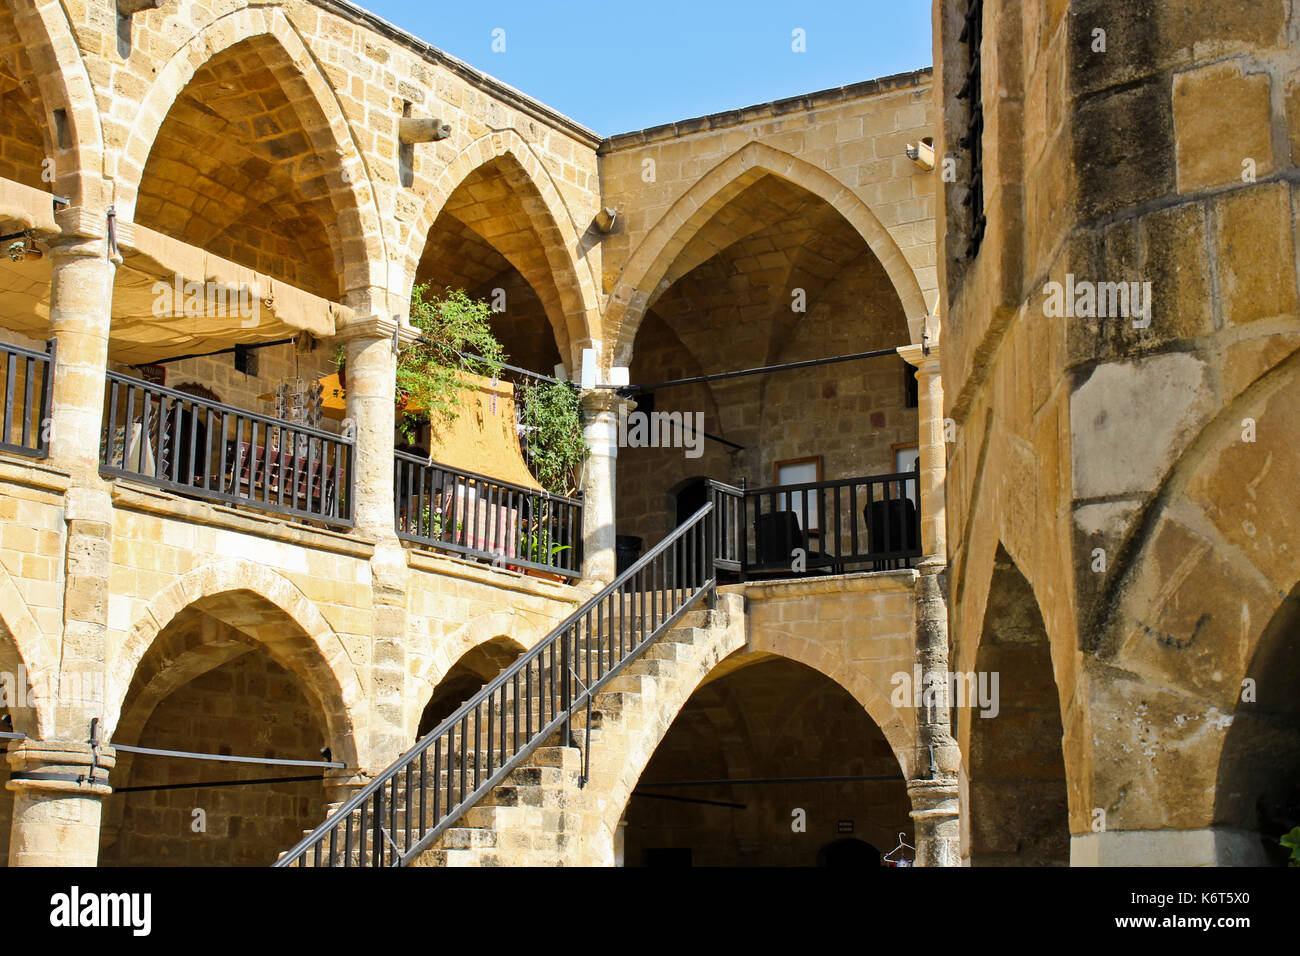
848,854
691,499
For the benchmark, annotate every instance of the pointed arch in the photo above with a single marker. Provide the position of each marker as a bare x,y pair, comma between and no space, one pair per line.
643,276
361,244
579,325
729,649
268,608
65,86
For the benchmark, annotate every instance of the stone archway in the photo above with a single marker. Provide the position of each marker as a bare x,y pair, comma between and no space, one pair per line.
475,668
355,231
648,269
1016,800
209,687
575,315
760,724
1206,583
619,761
65,87
269,610
1257,791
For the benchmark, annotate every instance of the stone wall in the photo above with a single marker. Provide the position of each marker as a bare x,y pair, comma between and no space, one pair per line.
248,707
268,135
1110,157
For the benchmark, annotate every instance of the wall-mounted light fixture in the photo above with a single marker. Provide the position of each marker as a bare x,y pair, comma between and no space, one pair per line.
414,129
605,220
922,153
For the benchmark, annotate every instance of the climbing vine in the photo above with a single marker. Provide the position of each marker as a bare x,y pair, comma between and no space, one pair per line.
552,420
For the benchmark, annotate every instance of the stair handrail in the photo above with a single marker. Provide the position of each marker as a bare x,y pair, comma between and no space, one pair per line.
702,519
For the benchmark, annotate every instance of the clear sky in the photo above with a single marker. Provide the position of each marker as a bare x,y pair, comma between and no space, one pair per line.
623,65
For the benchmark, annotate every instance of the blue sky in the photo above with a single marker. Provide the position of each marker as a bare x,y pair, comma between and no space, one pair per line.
618,66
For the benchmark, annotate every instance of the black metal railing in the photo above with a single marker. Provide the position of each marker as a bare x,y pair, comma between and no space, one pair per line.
830,527
482,517
216,452
401,812
28,384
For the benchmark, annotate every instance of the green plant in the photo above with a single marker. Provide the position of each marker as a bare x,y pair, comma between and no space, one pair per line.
429,369
552,417
1292,842
433,520
538,546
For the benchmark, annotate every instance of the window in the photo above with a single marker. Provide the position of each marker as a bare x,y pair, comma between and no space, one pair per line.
973,142
800,471
907,458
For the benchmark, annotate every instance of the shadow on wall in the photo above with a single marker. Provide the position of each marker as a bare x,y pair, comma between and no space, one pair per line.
466,678
1258,788
1019,807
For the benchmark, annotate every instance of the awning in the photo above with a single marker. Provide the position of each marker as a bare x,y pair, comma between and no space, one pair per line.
483,438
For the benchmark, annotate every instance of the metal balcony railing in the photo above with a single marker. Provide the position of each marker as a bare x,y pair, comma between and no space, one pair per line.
481,517
870,523
27,379
216,452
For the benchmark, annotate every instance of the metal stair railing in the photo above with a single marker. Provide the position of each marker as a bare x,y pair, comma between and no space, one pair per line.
400,813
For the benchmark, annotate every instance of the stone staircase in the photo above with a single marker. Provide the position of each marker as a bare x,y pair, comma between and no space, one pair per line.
500,780
542,815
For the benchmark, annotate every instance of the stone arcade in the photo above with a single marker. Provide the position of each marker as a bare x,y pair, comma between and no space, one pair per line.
205,590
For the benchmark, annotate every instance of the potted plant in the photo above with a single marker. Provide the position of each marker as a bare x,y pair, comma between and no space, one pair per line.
1291,841
537,546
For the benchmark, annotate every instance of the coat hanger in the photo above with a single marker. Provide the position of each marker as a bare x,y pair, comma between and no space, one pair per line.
888,857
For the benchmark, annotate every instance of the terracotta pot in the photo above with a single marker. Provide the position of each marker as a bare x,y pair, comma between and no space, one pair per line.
544,575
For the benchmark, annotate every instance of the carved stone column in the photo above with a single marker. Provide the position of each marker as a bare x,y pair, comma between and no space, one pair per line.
932,448
372,345
59,788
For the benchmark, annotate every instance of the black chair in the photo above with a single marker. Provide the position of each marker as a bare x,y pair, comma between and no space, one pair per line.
776,537
892,526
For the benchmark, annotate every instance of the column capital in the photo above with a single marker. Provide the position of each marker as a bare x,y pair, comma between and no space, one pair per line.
60,766
924,358
375,327
597,400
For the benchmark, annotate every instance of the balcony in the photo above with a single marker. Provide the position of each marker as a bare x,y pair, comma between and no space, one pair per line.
479,517
868,523
204,449
28,382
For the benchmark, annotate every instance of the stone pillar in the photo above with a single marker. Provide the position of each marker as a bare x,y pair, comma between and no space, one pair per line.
81,299
59,788
598,484
936,760
931,445
83,267
372,345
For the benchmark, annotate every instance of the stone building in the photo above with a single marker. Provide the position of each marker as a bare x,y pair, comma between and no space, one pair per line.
1086,518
